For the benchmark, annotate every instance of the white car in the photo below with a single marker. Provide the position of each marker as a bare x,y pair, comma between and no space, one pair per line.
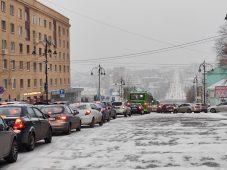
88,113
221,107
121,108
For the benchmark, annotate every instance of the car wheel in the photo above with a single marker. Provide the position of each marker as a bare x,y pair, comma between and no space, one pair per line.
109,118
189,111
79,128
175,111
92,124
12,157
31,142
68,130
114,116
213,110
48,139
101,122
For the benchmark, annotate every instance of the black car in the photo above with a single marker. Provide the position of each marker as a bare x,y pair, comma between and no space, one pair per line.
137,108
8,143
30,123
109,107
105,112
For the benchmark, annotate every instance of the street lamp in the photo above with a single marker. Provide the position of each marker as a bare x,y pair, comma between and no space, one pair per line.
195,81
101,71
203,65
121,83
47,44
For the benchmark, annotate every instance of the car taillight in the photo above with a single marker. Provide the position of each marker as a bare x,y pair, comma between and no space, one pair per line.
103,109
62,117
145,104
128,104
87,112
140,107
19,124
123,107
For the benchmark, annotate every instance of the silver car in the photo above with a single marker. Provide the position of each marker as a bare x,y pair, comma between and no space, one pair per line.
218,108
187,108
89,113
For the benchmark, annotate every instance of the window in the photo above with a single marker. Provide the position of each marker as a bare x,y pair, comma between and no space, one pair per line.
51,67
64,81
40,67
55,67
5,64
28,66
59,55
63,43
3,6
34,67
40,51
11,10
45,36
59,68
68,81
3,25
51,82
12,30
59,42
5,83
39,21
20,31
21,65
33,19
13,64
63,56
45,23
50,25
28,49
34,35
4,44
56,82
64,69
12,47
21,83
59,31
68,69
40,36
14,83
19,13
40,82
21,48
35,82
60,81
28,83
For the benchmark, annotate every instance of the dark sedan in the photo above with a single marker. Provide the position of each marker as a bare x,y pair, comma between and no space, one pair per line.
137,108
8,143
62,118
29,122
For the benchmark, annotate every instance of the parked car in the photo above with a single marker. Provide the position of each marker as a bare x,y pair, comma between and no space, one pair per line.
168,108
187,108
88,113
159,108
121,108
105,112
8,143
203,107
218,108
137,108
62,118
31,124
109,106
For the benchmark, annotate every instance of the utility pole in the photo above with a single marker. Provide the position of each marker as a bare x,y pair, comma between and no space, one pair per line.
121,83
47,44
101,71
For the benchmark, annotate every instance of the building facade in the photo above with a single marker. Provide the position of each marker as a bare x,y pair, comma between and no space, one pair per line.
25,24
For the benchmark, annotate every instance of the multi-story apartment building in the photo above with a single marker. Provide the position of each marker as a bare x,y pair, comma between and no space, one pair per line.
24,25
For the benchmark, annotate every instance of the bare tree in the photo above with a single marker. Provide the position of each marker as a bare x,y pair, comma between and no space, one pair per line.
221,43
190,94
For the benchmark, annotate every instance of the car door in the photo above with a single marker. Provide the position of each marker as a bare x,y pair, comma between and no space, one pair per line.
72,117
5,139
97,114
34,123
180,108
43,122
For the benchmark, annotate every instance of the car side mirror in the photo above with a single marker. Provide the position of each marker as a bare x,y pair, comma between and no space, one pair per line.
75,112
1,128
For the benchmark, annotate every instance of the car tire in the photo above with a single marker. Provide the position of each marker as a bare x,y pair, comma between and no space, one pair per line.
101,122
30,146
92,124
68,131
114,116
175,111
48,139
12,157
213,110
109,118
189,111
79,128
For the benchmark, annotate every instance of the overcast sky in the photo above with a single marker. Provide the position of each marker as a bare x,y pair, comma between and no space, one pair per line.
110,28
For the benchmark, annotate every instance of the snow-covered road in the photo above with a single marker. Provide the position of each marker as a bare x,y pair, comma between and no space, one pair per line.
153,141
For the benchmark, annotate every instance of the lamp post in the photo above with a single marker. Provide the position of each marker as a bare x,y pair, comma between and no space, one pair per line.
121,83
47,50
195,81
203,65
101,71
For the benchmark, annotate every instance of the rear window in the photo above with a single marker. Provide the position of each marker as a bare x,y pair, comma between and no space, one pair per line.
81,107
137,96
10,111
52,109
117,103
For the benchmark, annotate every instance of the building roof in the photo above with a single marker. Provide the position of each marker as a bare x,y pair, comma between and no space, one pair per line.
222,82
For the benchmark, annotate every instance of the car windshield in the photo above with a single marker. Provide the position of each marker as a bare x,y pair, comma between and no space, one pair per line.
137,96
117,103
10,111
52,109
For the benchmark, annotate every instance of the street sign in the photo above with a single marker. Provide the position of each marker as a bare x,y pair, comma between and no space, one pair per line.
2,90
221,91
62,93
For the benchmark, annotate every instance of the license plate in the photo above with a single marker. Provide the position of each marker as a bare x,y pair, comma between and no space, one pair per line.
51,118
